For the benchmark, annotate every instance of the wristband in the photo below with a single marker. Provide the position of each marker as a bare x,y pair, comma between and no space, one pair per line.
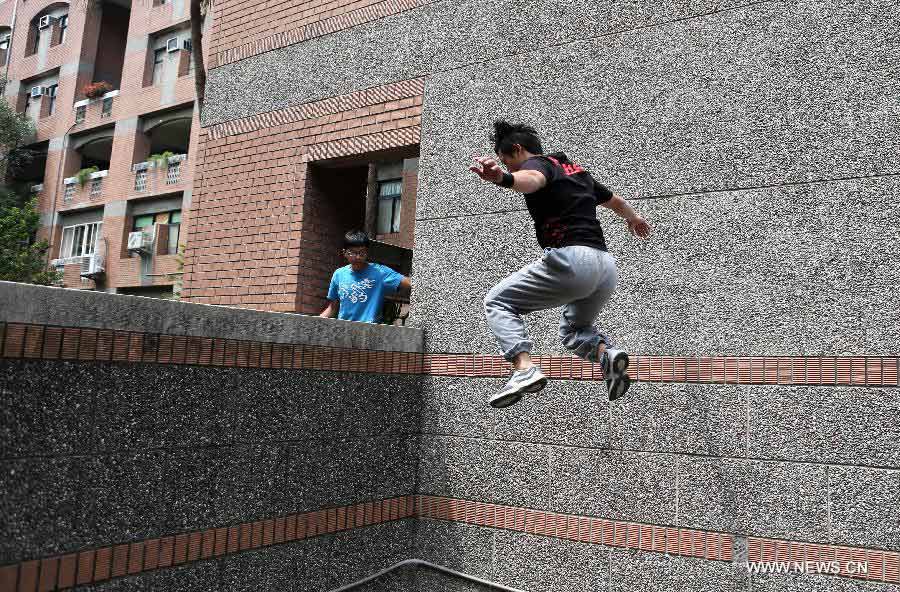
507,180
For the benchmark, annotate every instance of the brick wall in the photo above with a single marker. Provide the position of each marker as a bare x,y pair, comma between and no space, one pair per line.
261,238
113,59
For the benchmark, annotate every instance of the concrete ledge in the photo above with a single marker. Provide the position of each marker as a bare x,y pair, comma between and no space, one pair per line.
24,303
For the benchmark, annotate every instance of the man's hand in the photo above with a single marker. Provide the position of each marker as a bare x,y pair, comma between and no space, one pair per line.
638,226
489,169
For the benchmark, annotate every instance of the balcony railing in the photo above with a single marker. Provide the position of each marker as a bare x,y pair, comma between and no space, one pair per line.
99,106
93,188
148,175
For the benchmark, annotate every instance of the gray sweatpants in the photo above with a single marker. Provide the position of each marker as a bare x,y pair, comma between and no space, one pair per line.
581,278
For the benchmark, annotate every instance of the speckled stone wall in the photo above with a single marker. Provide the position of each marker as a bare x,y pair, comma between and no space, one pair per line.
94,454
761,140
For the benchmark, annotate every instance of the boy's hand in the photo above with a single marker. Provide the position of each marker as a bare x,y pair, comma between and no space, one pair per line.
638,226
489,169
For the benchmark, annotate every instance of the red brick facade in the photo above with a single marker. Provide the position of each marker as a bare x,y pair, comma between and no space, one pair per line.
112,42
277,191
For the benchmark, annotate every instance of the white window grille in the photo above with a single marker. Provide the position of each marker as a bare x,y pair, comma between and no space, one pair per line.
173,173
140,180
80,113
69,193
96,186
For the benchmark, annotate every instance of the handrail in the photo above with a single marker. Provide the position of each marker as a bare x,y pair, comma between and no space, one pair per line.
422,563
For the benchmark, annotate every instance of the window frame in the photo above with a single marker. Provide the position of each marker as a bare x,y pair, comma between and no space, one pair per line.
396,206
170,213
87,233
51,106
158,66
63,24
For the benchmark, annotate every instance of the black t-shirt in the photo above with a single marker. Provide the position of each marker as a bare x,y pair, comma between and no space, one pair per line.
565,210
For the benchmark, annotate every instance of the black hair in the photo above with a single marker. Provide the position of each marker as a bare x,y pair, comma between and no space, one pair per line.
356,238
506,134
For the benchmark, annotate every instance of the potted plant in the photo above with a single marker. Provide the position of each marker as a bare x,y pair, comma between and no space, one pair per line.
96,89
160,160
85,174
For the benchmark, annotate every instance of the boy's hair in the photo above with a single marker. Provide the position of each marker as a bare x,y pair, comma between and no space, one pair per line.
506,134
356,238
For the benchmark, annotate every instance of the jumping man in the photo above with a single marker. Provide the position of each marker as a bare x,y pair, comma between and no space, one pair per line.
575,271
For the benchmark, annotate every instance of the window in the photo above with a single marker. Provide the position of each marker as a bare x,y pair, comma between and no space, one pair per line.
80,113
142,222
389,206
37,40
174,231
63,25
80,240
50,93
106,108
69,193
172,218
4,49
159,64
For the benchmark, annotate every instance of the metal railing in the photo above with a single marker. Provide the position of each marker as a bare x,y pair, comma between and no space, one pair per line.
432,566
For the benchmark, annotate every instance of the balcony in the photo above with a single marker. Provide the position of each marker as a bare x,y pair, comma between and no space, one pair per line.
157,175
85,187
97,110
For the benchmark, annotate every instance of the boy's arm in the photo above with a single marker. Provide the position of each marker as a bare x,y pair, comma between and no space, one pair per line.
405,286
331,310
524,181
636,223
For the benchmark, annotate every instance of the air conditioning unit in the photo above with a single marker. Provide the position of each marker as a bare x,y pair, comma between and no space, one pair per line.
172,45
45,21
188,46
91,266
140,242
36,92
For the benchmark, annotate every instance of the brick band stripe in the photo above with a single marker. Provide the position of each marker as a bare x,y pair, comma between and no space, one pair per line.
45,342
98,565
883,566
394,91
315,29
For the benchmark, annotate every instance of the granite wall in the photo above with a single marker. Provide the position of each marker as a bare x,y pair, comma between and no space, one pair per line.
760,140
107,467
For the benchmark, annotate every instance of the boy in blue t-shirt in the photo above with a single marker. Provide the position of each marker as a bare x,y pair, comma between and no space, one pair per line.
357,290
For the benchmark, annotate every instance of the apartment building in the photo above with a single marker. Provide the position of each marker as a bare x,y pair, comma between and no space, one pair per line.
109,85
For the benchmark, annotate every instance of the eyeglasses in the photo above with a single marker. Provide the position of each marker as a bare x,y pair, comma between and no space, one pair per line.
359,253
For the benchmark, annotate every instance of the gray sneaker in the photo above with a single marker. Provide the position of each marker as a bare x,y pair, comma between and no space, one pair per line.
521,382
615,366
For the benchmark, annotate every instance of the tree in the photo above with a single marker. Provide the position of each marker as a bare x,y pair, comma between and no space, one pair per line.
16,130
22,257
